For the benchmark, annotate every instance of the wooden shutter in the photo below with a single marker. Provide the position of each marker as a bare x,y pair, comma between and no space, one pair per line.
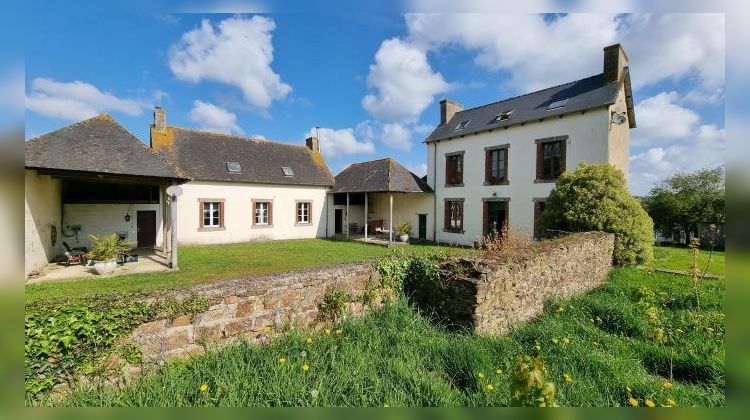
270,213
563,147
505,164
200,214
539,160
221,214
448,171
485,217
309,213
447,216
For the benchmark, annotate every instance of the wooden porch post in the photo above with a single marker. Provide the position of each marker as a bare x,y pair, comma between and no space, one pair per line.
347,215
173,232
390,223
366,216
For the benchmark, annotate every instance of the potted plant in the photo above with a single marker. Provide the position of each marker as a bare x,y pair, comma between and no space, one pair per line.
403,230
104,251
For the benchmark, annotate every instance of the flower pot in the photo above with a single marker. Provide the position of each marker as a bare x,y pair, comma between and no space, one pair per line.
104,268
404,238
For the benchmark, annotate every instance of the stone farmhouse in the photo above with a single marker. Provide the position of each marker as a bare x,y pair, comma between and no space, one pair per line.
486,166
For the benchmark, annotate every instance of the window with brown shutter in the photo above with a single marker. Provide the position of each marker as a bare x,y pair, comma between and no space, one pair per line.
210,214
454,215
496,165
454,169
303,212
550,158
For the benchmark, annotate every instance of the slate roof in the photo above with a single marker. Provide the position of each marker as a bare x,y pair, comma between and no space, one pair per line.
582,95
380,175
203,155
100,145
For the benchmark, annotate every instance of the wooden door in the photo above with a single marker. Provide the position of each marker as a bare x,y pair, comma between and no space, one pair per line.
146,220
422,226
339,219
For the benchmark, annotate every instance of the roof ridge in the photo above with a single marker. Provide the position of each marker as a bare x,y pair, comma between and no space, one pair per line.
530,93
369,161
238,137
103,116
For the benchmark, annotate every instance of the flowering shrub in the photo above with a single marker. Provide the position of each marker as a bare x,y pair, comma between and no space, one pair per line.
529,385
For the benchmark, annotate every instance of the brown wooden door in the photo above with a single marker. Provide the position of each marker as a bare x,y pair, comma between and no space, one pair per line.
146,228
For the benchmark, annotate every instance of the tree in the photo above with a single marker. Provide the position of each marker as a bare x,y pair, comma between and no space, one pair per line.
685,200
595,197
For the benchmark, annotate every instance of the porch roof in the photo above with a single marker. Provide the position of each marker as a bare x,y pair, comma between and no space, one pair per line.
98,147
382,175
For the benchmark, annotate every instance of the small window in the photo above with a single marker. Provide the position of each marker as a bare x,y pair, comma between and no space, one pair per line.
503,116
262,216
557,104
552,159
303,212
454,169
234,167
462,124
288,172
454,216
496,166
211,214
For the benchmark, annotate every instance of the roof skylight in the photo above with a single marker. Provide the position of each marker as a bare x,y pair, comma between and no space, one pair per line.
462,124
557,104
288,172
503,116
234,167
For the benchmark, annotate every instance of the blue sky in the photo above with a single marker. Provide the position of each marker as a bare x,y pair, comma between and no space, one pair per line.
371,81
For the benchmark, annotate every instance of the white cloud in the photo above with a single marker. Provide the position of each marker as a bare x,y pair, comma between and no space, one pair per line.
214,118
396,136
705,148
237,52
404,82
77,100
661,118
337,142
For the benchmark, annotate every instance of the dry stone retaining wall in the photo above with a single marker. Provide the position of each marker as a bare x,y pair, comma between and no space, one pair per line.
251,309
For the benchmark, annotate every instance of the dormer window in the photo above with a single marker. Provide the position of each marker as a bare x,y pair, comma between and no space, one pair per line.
503,116
462,124
557,104
234,167
288,172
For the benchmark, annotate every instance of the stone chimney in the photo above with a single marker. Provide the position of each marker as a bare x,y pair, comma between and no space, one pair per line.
313,143
615,60
448,109
161,135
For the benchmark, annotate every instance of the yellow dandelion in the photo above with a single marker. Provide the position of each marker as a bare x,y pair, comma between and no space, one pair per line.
633,402
627,388
203,387
650,404
309,340
498,371
327,330
667,385
339,331
267,329
537,346
555,340
305,367
566,340
595,344
670,403
709,329
490,387
568,377
560,309
679,330
480,375
282,360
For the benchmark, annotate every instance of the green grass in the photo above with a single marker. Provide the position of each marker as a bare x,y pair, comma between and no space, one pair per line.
397,357
205,264
680,258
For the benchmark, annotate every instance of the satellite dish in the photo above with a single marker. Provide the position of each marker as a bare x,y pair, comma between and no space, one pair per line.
174,191
619,118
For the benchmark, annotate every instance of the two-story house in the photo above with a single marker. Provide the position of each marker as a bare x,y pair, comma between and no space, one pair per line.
497,163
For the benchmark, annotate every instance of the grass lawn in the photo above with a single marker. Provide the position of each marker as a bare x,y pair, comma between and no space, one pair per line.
396,357
677,258
205,264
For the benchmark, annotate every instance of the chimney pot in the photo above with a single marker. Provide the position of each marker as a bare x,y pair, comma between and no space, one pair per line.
615,61
313,143
449,108
160,119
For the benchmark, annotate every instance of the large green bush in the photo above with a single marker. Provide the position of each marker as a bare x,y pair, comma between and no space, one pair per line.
595,197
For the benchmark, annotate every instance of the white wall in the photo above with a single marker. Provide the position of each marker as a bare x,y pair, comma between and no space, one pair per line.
238,212
106,219
406,208
588,141
41,212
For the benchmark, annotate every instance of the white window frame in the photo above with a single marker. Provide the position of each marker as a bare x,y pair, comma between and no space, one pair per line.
303,212
212,212
261,213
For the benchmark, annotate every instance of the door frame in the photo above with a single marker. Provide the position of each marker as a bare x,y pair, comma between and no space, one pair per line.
138,230
338,223
420,217
485,212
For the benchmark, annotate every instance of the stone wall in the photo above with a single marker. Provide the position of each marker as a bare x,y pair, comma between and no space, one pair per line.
251,309
494,297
